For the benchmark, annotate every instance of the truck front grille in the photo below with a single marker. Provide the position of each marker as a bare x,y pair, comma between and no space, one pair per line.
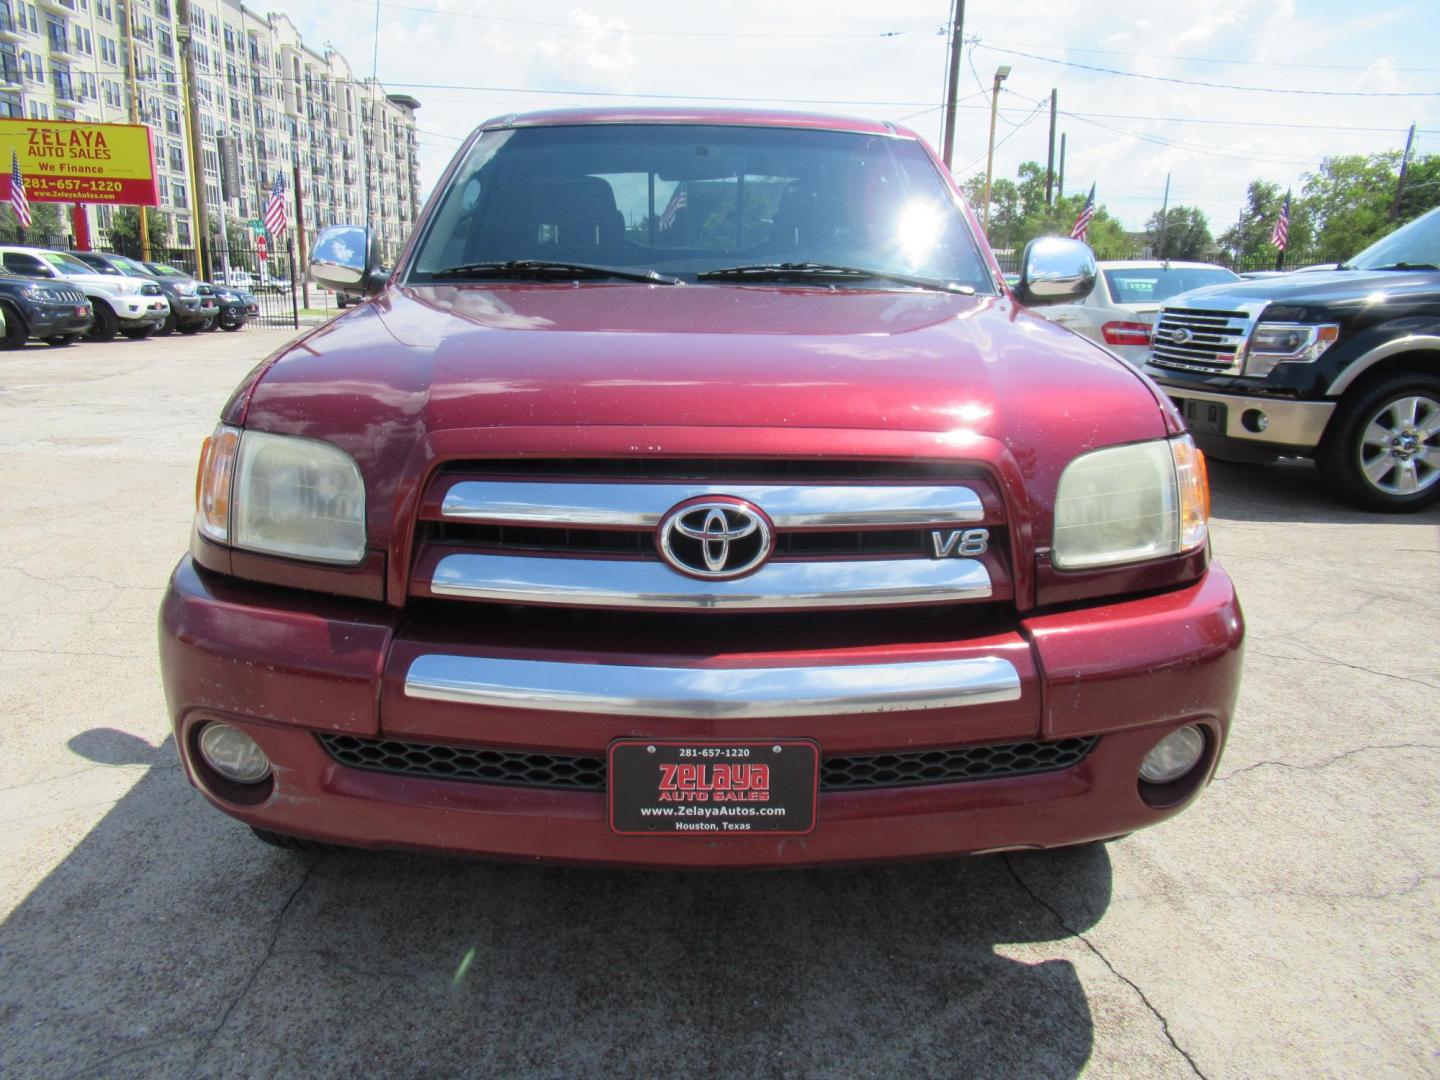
521,768
1196,339
593,534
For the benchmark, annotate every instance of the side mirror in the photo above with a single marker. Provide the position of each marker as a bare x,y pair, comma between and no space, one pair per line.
1055,270
346,258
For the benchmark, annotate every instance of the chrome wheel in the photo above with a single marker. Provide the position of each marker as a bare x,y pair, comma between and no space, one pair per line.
1400,445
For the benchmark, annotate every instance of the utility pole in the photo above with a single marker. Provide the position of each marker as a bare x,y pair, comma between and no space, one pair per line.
127,43
1164,207
1400,182
1050,161
1060,180
192,126
1001,74
952,82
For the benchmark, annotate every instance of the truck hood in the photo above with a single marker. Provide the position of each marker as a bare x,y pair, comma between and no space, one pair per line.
1322,288
435,371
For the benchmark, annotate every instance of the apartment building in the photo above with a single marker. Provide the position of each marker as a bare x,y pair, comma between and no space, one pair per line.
287,103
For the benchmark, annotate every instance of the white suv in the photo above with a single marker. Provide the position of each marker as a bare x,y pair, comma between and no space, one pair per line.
130,305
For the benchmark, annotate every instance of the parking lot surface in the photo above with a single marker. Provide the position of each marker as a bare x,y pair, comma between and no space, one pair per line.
1284,926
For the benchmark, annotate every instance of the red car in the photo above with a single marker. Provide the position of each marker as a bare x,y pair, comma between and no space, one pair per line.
694,492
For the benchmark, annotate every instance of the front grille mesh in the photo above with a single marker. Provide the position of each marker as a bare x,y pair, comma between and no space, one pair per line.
519,768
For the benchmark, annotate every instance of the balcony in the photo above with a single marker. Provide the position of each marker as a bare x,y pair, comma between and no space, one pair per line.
62,7
8,30
61,47
11,77
67,92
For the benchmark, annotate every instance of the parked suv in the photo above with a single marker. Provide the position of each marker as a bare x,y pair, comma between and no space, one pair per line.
696,493
56,313
190,310
1342,365
134,306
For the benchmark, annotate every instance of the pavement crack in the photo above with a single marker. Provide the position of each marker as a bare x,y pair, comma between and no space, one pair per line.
1328,761
1328,661
1073,932
264,960
84,1069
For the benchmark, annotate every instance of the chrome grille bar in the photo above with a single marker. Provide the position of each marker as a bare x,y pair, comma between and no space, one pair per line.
635,583
789,506
627,690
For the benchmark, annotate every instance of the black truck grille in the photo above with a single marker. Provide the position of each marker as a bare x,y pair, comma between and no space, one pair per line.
519,768
1194,339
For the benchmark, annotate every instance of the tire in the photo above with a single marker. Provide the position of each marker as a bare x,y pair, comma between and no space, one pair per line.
16,332
60,340
212,325
105,323
137,333
1382,449
167,327
233,325
292,843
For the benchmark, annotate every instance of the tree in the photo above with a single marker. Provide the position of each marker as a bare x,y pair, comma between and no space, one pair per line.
1186,234
1352,198
47,225
124,231
1247,242
239,242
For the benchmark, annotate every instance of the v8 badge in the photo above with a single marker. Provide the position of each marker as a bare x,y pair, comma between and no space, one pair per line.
960,542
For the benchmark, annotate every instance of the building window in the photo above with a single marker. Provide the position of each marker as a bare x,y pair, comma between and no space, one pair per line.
10,106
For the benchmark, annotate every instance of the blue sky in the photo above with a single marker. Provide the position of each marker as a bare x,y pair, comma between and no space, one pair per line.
887,60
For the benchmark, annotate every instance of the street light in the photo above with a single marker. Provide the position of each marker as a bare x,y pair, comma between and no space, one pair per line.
1001,74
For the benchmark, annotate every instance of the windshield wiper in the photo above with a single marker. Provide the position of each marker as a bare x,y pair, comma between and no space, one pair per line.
798,270
543,269
1405,266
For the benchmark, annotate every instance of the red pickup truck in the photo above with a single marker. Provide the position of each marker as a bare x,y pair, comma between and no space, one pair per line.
694,492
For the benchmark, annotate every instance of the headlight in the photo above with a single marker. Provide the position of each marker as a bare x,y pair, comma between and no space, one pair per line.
281,495
1130,503
184,288
1287,343
39,295
127,288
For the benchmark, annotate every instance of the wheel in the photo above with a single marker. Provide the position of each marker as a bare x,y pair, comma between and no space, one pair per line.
231,325
191,328
16,332
105,323
61,340
167,327
138,333
292,843
213,324
1382,450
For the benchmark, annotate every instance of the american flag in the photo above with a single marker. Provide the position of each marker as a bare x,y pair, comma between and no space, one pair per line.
275,219
18,200
1081,227
678,201
1281,236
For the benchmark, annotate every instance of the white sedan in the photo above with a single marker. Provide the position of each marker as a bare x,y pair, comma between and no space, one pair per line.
1120,312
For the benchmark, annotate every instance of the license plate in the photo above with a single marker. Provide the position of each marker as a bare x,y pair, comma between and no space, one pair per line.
1202,417
708,788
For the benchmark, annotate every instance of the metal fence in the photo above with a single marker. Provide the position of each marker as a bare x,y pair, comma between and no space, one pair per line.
1294,260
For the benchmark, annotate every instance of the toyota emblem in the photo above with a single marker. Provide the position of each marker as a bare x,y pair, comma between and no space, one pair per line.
716,538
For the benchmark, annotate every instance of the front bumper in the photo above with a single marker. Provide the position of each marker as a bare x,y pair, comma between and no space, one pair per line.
287,667
46,320
1251,418
141,310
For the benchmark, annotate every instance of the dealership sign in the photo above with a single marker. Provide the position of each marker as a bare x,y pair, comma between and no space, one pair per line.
68,161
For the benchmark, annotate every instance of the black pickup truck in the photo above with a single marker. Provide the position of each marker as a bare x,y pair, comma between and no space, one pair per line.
1342,366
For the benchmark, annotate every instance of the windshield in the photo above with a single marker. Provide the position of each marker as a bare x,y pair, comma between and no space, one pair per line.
129,267
685,199
1417,243
165,270
65,263
1155,284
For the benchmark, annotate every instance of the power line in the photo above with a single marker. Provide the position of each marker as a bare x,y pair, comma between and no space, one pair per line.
808,35
1212,85
1201,148
1205,59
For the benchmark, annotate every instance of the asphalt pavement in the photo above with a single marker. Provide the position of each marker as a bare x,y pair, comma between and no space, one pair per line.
1286,925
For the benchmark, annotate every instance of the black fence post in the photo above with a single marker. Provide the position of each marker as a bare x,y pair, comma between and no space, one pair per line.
294,300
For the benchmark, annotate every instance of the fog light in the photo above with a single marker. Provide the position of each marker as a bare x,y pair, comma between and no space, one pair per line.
1254,420
1173,756
234,755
